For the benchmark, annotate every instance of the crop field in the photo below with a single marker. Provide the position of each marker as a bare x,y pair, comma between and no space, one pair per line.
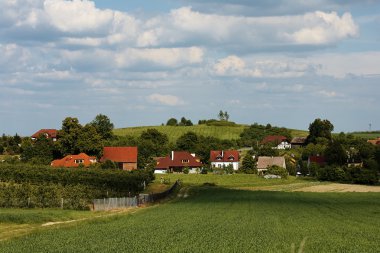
174,132
218,219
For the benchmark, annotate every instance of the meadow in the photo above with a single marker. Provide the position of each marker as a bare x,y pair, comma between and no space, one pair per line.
220,217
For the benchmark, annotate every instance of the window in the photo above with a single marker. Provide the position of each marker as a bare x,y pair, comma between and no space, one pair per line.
231,158
79,161
185,161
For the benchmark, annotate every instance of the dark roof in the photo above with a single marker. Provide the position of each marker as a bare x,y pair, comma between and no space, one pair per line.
298,140
178,159
50,133
274,138
120,154
224,156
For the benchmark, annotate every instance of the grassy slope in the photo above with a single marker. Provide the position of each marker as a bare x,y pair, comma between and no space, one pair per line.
173,132
217,219
367,135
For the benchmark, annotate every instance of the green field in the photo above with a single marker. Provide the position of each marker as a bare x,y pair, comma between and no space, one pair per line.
221,218
367,135
174,132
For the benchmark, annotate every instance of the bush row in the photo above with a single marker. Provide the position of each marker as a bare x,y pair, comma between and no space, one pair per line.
27,195
348,175
112,180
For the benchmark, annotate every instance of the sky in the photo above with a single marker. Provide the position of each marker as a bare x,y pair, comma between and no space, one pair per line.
283,62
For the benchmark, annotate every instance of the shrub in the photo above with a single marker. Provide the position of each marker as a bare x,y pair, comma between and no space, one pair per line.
277,170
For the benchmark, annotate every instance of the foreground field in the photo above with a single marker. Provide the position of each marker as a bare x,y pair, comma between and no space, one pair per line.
216,219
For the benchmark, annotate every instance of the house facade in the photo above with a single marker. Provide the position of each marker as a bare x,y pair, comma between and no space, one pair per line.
224,158
125,157
177,161
298,142
264,162
49,133
74,161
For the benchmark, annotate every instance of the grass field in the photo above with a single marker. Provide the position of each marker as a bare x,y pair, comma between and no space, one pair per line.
220,218
174,132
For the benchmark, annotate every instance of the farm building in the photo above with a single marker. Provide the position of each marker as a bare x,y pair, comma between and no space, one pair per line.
317,159
264,162
298,142
49,133
224,158
72,161
177,161
125,157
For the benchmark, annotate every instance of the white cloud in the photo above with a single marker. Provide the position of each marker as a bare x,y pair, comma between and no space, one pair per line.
328,94
169,100
169,57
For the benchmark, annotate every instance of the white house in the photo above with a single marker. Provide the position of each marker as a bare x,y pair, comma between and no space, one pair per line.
224,158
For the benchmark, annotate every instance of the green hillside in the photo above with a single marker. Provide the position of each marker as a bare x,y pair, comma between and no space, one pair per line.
174,132
367,135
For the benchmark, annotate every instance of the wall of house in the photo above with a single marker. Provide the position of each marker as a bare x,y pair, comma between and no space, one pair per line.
235,165
129,166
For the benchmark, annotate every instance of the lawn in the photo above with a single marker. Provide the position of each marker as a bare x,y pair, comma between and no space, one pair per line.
219,219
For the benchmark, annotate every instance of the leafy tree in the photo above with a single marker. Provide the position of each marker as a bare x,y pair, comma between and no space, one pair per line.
103,126
41,151
221,115
151,143
226,116
267,150
188,142
252,136
185,122
89,141
277,170
172,122
248,164
335,154
68,136
319,128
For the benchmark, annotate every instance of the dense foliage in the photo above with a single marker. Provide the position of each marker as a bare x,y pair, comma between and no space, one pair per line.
252,136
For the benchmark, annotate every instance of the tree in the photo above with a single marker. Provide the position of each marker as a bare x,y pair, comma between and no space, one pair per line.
248,164
185,122
188,142
41,151
103,126
221,115
68,136
226,116
335,154
319,128
89,141
151,143
172,122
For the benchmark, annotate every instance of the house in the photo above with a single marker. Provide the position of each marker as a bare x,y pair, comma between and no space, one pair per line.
177,161
279,141
224,158
298,142
72,161
375,141
264,162
317,159
49,133
125,157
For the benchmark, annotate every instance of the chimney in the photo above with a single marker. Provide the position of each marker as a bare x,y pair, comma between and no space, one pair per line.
172,155
222,154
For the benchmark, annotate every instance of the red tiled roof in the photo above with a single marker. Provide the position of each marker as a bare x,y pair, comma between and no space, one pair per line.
181,159
224,156
69,161
317,159
120,154
374,141
273,138
51,133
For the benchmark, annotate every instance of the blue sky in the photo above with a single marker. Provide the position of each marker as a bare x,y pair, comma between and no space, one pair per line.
143,62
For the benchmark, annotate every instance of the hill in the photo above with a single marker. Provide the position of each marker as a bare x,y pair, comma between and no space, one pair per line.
174,132
367,134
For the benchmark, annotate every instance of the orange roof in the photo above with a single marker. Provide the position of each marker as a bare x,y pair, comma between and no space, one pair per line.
375,141
74,161
120,154
224,156
178,159
50,133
